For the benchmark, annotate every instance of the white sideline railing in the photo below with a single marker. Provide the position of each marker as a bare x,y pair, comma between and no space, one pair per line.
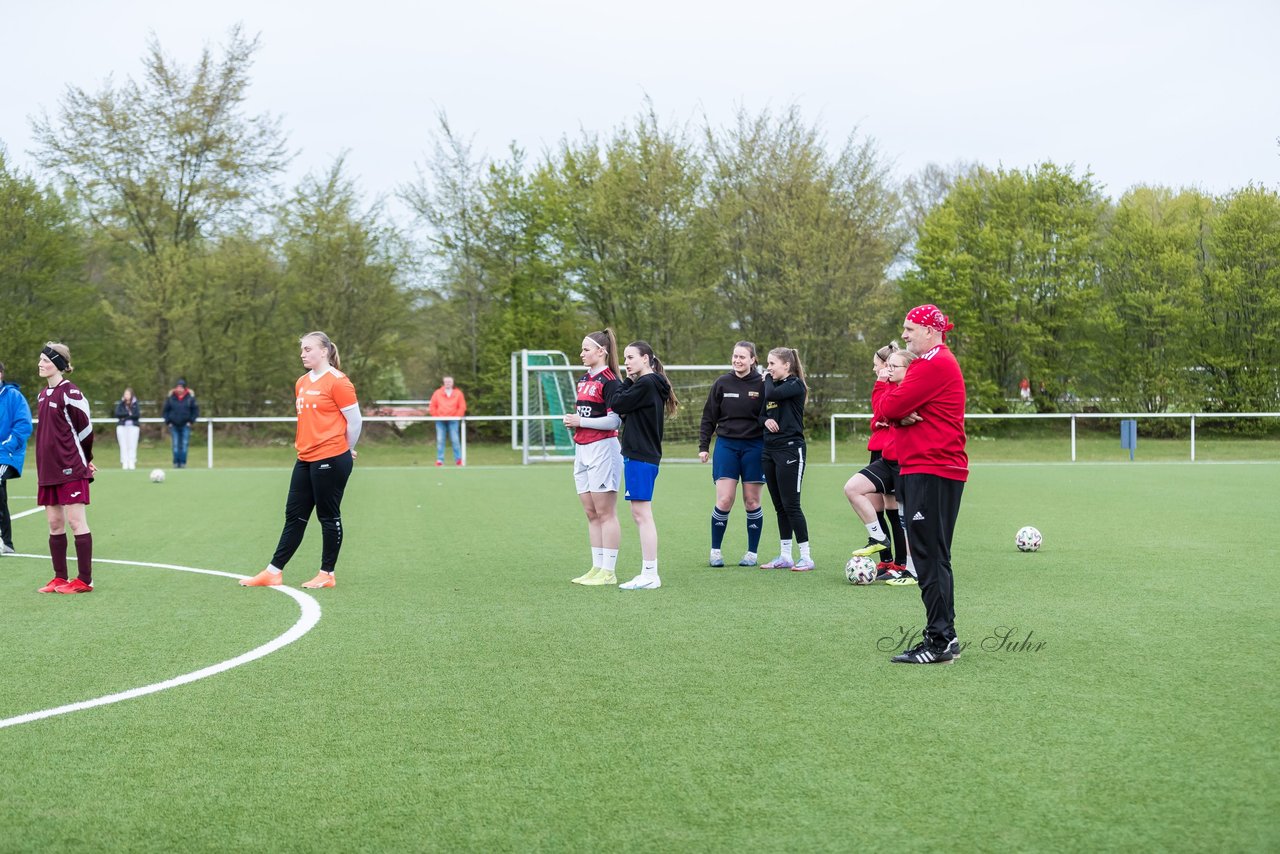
866,416
289,419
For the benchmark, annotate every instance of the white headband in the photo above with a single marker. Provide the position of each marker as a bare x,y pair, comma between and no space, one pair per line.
590,343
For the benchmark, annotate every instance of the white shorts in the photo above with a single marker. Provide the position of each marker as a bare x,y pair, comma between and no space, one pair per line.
597,466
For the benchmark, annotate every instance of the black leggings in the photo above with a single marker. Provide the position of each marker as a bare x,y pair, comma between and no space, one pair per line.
7,473
315,486
784,472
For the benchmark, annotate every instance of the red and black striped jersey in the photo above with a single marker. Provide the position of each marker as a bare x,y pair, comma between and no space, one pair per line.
595,391
64,436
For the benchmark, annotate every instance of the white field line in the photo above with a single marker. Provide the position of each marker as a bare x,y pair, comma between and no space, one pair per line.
310,615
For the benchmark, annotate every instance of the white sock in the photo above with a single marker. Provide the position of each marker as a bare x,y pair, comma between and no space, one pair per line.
911,567
715,553
786,549
649,569
608,559
597,556
874,529
274,568
804,550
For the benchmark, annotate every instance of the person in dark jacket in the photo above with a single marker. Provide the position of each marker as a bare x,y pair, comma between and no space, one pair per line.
15,429
732,414
180,412
785,454
128,427
643,402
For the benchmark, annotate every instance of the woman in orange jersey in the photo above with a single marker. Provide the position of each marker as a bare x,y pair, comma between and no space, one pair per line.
328,428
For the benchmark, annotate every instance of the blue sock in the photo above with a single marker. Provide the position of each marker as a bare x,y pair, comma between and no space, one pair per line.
755,525
719,521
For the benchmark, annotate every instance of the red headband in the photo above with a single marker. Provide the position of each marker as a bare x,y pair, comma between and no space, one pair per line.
932,317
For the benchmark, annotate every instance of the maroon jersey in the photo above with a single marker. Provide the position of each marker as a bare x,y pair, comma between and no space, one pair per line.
594,393
64,436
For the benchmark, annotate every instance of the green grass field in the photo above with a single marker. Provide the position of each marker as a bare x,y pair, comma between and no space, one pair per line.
459,694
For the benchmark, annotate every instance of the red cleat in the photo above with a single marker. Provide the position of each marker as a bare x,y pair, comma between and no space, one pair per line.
52,586
75,585
459,462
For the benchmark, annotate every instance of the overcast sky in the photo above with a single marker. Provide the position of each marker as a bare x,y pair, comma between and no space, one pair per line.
1174,93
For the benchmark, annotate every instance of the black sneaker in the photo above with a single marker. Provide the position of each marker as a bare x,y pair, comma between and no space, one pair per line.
922,654
954,647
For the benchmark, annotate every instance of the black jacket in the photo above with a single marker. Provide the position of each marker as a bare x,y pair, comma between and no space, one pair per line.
784,403
732,409
127,412
180,412
641,404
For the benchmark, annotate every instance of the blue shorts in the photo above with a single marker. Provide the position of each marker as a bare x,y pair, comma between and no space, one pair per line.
738,459
639,479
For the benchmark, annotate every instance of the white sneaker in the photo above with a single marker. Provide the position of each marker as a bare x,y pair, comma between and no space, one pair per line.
641,583
7,550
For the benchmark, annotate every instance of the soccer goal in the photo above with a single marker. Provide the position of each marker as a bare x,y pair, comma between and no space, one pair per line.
544,389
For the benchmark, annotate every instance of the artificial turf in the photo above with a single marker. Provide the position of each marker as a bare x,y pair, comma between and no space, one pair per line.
1117,689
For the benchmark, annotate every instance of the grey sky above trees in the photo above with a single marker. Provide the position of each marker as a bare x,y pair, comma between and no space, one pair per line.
1171,93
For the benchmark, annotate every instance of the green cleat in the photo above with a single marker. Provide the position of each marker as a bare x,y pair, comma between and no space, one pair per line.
600,579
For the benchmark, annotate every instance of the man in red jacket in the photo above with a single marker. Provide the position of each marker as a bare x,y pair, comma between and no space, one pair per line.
929,405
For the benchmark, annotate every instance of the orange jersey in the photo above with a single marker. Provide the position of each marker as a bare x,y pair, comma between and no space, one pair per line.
322,428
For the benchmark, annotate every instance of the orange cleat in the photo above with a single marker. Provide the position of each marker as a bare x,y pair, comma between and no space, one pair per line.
322,579
266,578
75,585
52,586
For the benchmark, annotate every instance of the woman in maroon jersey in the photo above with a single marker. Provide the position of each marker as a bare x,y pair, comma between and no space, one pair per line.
64,467
597,455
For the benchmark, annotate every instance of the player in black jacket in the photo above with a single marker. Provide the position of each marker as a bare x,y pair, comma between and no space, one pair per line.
732,413
785,453
644,402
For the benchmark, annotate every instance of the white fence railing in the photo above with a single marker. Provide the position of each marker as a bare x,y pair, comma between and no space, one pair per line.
398,420
1073,416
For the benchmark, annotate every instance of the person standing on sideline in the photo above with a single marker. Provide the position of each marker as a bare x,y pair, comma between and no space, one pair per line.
644,401
597,455
180,412
785,454
328,428
127,429
928,407
448,402
64,468
15,429
732,414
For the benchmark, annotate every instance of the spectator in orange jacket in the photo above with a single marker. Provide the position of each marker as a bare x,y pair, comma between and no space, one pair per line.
448,402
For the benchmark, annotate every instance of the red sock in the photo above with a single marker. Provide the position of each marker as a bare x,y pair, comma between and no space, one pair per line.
58,551
84,556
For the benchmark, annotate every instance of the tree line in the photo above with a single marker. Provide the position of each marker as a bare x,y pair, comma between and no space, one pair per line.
163,245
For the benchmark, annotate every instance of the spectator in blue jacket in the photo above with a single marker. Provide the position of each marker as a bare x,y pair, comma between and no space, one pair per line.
15,429
180,412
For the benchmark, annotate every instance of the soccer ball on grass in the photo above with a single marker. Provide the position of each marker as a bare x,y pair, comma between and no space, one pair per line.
157,475
1028,539
860,570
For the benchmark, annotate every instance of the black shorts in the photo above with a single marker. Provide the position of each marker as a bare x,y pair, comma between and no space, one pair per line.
883,474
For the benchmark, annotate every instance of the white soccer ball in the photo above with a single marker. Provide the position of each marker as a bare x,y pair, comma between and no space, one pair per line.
1028,539
157,475
860,570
